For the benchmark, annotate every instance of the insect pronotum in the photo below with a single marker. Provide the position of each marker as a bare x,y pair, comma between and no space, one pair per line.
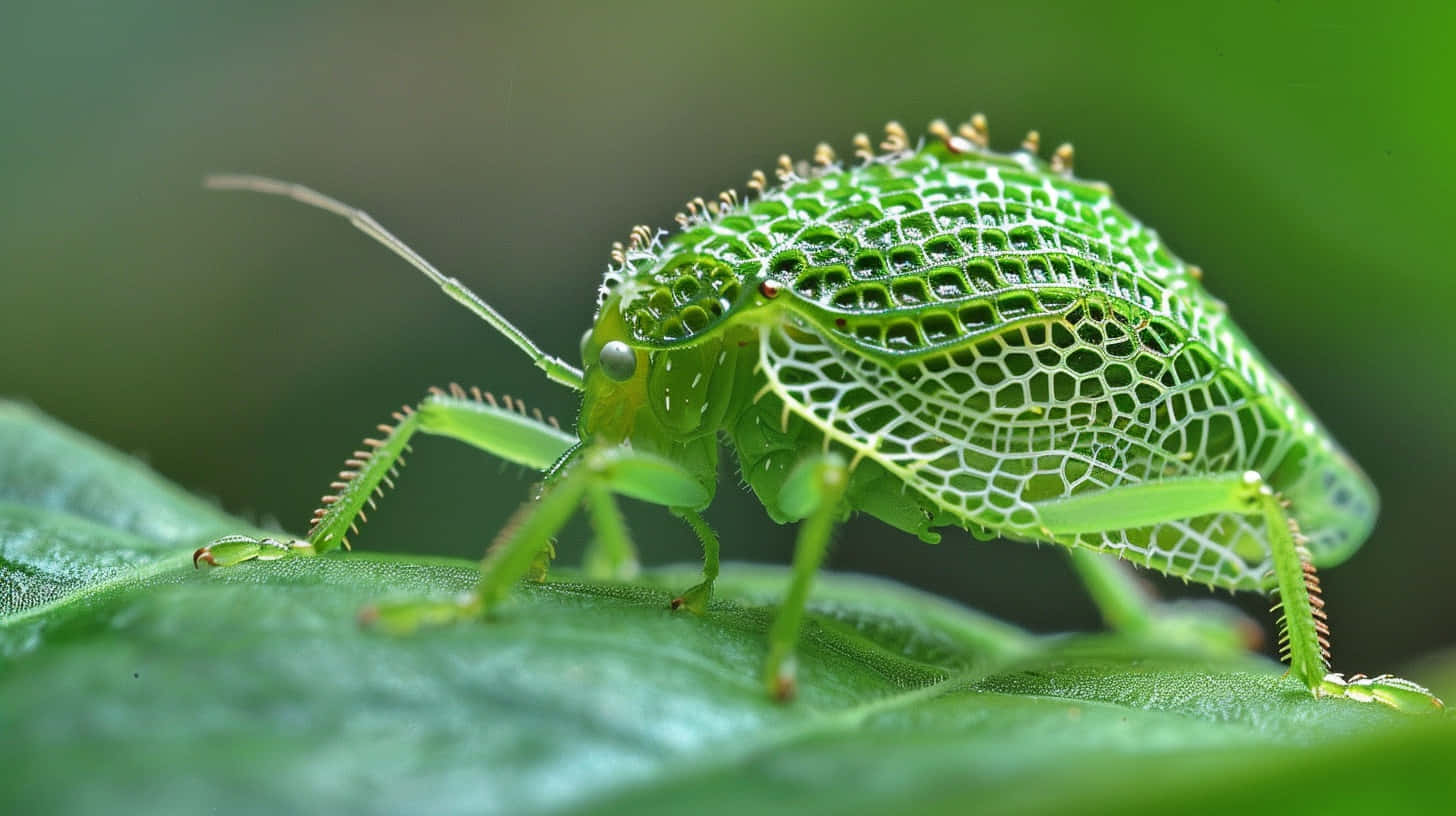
937,336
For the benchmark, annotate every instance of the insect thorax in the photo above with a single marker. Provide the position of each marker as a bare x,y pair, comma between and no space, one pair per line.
994,333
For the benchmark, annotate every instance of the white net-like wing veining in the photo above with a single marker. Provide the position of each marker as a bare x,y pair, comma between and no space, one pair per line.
989,429
999,334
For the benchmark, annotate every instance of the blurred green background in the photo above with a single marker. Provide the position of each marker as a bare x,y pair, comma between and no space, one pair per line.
1299,152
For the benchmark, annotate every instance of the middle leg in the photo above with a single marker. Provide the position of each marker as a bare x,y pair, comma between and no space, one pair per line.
529,531
1127,604
814,492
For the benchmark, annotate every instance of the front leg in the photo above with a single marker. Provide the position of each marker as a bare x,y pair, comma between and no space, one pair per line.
1304,631
473,417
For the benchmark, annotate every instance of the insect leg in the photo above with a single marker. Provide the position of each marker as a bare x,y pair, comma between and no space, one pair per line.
611,554
696,599
1302,617
814,492
474,418
1122,602
516,548
1129,605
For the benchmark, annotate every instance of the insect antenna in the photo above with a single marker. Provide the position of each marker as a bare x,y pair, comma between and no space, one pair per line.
556,369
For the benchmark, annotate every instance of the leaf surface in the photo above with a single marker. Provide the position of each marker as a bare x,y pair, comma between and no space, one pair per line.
131,682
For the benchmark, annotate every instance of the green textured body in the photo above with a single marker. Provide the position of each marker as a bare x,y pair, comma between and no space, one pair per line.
979,333
938,337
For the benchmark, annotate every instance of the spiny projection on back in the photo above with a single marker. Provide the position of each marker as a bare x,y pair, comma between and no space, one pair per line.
931,333
972,136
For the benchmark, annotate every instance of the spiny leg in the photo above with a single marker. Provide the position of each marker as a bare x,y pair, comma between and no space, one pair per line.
1304,633
510,558
1128,605
814,492
474,417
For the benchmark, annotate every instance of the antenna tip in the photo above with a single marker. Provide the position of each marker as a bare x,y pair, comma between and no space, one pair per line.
237,181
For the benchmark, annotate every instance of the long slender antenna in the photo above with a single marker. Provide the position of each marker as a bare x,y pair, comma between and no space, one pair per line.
555,368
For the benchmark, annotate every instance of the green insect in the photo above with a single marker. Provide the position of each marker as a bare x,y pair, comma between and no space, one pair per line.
937,336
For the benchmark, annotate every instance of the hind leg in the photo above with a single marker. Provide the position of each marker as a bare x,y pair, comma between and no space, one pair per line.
1303,635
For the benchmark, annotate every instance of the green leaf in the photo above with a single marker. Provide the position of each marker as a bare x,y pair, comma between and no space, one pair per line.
131,682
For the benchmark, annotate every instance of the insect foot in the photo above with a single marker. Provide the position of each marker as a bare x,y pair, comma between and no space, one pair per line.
235,549
1396,692
695,600
783,683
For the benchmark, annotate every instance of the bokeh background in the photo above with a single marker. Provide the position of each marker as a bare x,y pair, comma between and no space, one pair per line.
1300,152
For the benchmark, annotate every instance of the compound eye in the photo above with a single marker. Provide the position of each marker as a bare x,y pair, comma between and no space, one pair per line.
618,360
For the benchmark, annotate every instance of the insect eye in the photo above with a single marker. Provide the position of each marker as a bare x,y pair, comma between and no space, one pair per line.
618,360
769,289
